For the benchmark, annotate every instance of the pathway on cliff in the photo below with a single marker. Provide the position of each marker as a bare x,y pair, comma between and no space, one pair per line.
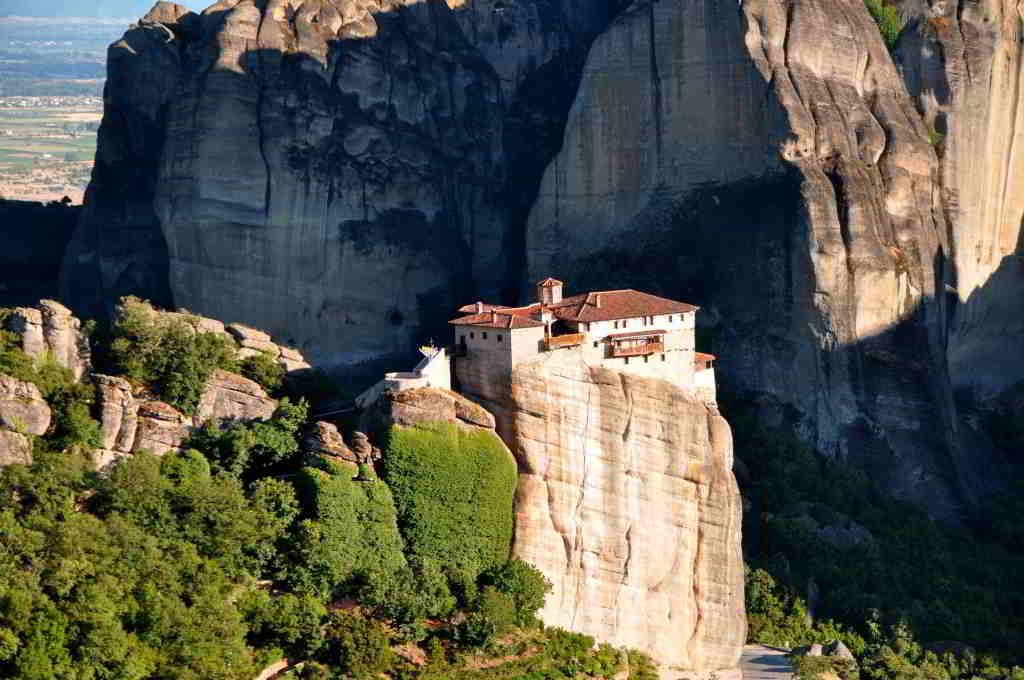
765,663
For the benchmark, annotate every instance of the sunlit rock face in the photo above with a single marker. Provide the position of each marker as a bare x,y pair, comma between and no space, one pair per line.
764,160
627,502
963,62
332,171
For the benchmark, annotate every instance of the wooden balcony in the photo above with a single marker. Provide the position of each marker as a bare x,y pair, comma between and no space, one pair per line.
636,349
559,341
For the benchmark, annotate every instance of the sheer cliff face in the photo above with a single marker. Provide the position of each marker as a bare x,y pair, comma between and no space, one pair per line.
964,62
766,162
627,503
333,171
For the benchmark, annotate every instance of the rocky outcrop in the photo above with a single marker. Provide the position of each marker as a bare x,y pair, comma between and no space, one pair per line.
119,418
229,396
118,248
326,169
798,141
161,428
130,423
423,404
963,61
49,329
14,448
22,407
626,501
324,439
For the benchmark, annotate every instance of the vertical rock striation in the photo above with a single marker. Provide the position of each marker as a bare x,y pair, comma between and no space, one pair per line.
765,161
627,503
332,171
964,63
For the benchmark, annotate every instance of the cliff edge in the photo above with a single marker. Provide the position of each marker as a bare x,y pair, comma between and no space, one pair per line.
627,503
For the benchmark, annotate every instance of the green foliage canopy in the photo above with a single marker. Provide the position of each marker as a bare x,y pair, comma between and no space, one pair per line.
453,491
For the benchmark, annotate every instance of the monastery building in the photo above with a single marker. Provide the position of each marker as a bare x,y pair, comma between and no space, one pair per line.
624,330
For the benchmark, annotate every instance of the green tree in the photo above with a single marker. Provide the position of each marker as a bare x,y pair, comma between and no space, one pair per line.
522,582
357,646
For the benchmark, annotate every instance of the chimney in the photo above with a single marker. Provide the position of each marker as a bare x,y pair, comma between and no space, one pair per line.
549,291
479,307
494,316
597,300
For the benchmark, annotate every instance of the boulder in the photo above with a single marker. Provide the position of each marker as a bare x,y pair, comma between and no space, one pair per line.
161,428
421,404
22,407
363,450
118,412
324,439
839,650
229,396
14,448
50,329
253,339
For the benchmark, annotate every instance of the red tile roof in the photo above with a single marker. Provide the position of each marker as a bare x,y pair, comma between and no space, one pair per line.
607,305
701,356
611,305
494,319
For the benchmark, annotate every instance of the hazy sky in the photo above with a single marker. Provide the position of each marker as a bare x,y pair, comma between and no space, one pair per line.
107,9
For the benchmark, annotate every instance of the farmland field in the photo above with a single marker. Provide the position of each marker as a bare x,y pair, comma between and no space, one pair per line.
47,146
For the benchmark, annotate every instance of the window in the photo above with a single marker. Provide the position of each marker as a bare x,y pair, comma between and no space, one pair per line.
595,343
616,324
500,337
646,357
462,339
484,335
472,335
662,357
670,318
627,360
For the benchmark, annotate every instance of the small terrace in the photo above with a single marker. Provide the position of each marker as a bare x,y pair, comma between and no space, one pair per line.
560,341
641,343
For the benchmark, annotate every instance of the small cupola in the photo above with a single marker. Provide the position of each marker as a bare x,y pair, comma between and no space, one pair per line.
549,291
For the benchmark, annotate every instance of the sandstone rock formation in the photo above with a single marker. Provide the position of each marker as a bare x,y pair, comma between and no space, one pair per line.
963,62
229,396
22,407
161,428
787,184
119,418
408,407
627,503
325,169
50,329
131,424
14,448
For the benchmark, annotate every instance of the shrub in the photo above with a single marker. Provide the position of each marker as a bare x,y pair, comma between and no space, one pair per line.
887,17
356,646
350,529
494,615
265,370
522,582
453,492
291,622
253,448
166,353
641,667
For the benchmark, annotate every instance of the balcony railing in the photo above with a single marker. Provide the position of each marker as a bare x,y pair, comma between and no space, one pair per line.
560,341
619,350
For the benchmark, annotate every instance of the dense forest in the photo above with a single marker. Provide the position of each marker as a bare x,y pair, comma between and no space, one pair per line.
240,550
